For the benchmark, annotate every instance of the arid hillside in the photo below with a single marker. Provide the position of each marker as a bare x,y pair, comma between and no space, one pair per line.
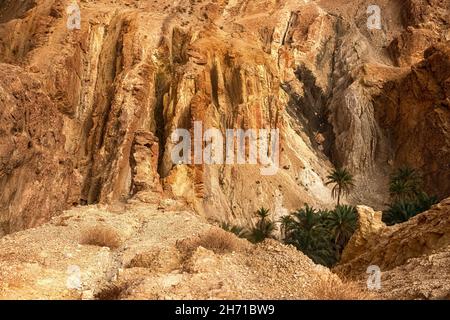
93,253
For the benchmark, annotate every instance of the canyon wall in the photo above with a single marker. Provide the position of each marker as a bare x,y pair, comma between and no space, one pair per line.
87,115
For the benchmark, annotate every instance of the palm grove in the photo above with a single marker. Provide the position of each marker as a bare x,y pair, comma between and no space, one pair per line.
323,234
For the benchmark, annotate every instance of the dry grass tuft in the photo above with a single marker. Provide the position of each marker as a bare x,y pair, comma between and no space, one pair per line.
331,288
101,236
159,260
215,239
113,291
144,260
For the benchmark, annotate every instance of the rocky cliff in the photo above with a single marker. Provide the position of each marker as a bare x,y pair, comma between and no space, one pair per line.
87,115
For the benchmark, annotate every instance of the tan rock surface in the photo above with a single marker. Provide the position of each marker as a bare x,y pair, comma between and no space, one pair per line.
147,264
311,68
369,226
413,256
426,277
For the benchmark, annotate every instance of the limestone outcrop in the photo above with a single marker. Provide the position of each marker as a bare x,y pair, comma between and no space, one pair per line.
365,236
403,252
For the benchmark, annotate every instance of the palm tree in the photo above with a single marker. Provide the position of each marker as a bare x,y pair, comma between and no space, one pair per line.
307,232
285,224
263,213
315,244
264,228
403,210
343,183
405,184
307,217
239,231
424,202
399,212
398,190
342,223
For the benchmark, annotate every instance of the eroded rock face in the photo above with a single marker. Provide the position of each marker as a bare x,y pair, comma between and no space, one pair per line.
138,70
413,256
414,112
369,226
37,176
394,246
424,277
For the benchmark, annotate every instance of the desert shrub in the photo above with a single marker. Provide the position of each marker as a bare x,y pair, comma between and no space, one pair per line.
163,260
262,229
331,288
143,260
258,232
102,236
215,239
113,291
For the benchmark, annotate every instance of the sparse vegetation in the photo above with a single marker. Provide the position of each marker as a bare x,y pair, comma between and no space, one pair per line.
215,239
157,259
113,291
101,236
239,231
260,231
331,288
263,229
408,198
343,183
144,260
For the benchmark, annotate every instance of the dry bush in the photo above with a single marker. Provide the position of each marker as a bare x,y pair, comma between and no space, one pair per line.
215,239
331,288
159,260
144,260
101,236
113,291
62,221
